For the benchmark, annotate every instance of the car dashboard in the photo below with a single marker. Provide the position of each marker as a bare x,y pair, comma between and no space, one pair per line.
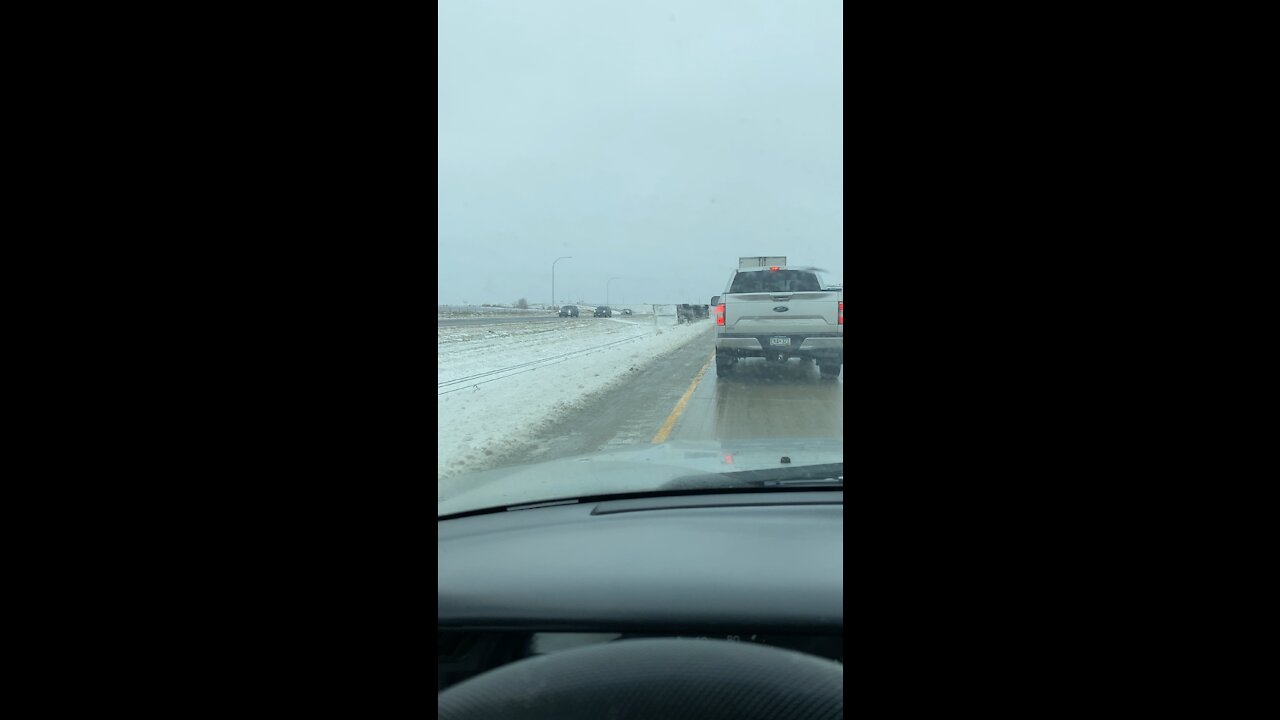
753,566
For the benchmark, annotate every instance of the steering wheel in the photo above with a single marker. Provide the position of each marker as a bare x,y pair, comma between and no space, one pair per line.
666,678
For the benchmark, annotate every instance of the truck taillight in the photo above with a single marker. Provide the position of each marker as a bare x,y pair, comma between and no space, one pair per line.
841,321
720,313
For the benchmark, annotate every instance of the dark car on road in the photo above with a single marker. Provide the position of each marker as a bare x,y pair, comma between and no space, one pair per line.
603,311
569,311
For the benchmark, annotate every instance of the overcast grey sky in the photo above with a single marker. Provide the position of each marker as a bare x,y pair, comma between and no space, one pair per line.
653,141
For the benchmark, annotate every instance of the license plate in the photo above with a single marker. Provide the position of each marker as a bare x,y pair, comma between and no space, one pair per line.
783,341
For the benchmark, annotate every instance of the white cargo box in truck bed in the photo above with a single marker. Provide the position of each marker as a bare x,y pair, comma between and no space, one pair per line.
772,311
761,261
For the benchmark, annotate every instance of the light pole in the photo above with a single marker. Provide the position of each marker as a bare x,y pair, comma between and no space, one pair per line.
606,291
553,279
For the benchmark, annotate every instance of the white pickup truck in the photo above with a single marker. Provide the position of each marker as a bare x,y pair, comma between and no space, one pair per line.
772,311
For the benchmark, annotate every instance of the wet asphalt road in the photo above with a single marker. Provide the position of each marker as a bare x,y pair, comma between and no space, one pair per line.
761,400
757,401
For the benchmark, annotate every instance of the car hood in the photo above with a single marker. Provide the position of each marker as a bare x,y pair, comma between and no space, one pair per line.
645,468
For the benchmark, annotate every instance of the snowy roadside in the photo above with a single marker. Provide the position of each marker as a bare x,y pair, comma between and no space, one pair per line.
498,385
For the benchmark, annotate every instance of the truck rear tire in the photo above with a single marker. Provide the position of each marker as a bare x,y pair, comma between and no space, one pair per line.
830,368
724,364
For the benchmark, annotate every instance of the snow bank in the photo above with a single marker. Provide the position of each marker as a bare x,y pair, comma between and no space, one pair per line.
498,384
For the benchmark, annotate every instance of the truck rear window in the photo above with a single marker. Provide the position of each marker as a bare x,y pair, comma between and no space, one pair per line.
775,281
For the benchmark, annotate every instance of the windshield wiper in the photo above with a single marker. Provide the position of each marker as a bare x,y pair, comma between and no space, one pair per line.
780,479
828,475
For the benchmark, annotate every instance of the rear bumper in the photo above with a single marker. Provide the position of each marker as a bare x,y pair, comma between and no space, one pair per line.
814,346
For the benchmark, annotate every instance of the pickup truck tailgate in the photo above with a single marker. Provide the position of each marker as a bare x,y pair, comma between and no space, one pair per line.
763,313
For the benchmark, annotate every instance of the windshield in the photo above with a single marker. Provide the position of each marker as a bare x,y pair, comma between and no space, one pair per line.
616,182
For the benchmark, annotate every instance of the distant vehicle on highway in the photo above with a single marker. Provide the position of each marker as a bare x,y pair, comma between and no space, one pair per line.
603,311
689,313
626,311
569,311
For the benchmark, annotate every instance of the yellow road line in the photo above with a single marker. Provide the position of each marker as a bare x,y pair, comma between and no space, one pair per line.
665,430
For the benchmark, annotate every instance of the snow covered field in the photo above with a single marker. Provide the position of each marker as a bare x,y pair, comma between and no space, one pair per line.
476,311
497,384
449,311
